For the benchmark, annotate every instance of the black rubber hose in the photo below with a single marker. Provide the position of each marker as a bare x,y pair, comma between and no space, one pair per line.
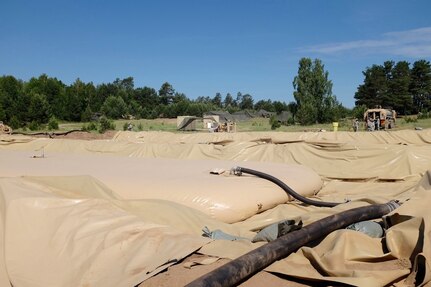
239,170
256,260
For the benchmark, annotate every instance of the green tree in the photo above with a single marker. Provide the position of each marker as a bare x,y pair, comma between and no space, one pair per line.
386,98
2,112
53,90
166,93
77,99
303,94
38,110
86,114
400,97
275,124
217,101
358,111
293,108
264,105
246,102
306,114
238,99
103,91
332,110
53,123
14,122
196,109
105,124
114,107
313,92
228,101
148,99
179,106
279,107
126,84
135,109
13,100
420,86
374,89
179,97
125,88
89,95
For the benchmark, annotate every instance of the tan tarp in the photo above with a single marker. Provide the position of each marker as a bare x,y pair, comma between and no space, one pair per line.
357,156
225,197
72,232
60,231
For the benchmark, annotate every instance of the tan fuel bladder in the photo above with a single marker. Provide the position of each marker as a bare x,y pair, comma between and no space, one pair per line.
117,212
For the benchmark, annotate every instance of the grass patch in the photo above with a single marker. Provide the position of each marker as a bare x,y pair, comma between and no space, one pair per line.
252,125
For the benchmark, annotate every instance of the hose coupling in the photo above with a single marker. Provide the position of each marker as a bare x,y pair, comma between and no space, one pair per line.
394,204
236,170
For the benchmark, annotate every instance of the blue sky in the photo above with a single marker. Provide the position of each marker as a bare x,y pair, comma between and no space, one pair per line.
209,46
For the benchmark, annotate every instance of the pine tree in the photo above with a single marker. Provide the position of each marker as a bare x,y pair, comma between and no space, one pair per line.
420,86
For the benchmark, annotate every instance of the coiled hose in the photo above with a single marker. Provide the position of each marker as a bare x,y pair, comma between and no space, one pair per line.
240,170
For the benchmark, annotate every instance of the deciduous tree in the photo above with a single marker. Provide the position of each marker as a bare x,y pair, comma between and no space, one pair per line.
313,93
114,107
38,110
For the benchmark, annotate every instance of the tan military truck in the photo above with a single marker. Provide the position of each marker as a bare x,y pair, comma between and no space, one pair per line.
378,118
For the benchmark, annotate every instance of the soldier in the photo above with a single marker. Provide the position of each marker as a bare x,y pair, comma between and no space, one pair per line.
355,125
370,125
378,123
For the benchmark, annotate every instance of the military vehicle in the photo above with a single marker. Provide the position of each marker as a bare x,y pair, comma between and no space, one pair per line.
378,118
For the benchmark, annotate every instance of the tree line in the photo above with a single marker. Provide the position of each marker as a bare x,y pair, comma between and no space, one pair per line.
44,97
36,101
395,85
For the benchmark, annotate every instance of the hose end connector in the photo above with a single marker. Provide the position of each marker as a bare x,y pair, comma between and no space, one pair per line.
236,170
